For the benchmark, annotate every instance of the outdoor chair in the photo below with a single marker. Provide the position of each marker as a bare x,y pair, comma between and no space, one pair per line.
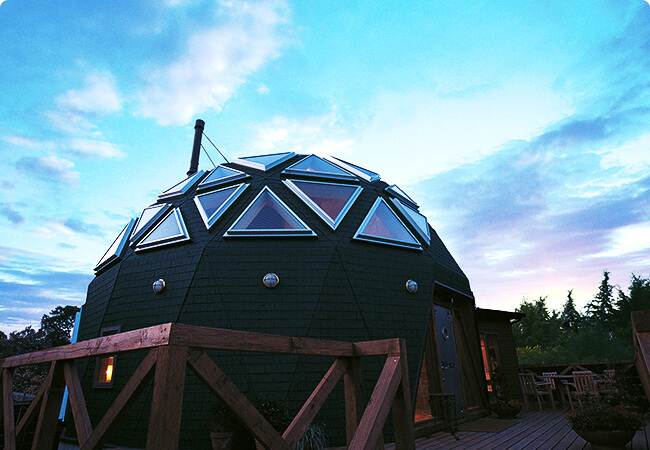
550,377
583,384
537,389
607,382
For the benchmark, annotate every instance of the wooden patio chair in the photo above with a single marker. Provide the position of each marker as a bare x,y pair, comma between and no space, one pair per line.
583,384
606,382
537,389
550,378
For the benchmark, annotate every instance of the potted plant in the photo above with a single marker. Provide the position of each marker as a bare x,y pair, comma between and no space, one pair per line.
223,422
605,422
314,438
501,405
505,409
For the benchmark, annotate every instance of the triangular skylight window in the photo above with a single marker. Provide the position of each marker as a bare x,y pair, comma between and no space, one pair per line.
313,166
362,173
264,162
395,191
183,186
149,216
219,176
383,226
213,204
330,201
267,215
416,219
116,250
170,230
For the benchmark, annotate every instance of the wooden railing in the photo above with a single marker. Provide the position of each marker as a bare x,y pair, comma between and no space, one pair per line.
173,347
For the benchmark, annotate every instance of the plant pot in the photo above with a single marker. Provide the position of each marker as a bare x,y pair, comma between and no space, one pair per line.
506,412
221,440
607,440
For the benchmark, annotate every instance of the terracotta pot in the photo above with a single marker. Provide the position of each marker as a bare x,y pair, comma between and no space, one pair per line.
506,412
221,440
607,440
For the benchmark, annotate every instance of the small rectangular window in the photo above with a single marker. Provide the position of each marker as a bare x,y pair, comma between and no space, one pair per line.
105,365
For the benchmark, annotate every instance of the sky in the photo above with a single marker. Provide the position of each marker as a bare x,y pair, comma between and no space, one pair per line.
521,128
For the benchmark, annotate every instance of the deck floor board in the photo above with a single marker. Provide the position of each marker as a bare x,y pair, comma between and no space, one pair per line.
535,430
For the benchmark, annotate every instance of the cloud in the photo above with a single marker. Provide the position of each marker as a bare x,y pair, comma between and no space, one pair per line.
99,95
92,148
79,226
9,213
321,135
50,169
32,284
216,62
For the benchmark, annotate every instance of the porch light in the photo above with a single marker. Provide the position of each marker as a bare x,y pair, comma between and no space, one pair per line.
271,280
411,286
159,286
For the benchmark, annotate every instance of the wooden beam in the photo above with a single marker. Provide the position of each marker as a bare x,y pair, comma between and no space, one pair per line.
32,409
369,433
403,420
123,342
314,403
50,407
77,403
8,409
217,338
375,348
167,400
353,398
125,398
217,381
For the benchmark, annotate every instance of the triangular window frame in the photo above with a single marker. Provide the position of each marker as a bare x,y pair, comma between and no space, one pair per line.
333,222
182,187
254,161
409,214
183,235
143,228
210,220
413,243
232,175
395,191
116,250
364,174
335,173
234,231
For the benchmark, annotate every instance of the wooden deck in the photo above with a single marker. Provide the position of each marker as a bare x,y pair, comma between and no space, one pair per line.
533,430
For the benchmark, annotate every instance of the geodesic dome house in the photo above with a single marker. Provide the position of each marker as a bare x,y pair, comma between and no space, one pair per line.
288,244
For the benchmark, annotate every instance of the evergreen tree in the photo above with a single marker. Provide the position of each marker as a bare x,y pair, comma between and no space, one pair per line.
539,327
600,310
570,318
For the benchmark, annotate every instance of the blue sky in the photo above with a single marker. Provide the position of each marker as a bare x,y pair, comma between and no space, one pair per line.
522,129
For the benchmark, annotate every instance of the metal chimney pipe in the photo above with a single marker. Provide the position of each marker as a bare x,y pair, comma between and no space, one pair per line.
196,149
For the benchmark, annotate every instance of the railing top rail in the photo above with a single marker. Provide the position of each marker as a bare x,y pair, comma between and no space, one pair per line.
208,338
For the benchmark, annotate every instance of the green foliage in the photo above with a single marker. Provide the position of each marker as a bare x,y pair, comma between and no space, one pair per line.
604,414
602,333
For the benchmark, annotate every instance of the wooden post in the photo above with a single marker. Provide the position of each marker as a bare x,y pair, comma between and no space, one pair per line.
403,420
167,401
353,398
77,403
49,414
369,433
8,409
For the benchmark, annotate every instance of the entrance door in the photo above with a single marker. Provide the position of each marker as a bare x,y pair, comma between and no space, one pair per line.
449,358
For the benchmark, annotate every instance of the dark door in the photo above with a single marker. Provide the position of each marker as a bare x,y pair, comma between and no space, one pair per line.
449,358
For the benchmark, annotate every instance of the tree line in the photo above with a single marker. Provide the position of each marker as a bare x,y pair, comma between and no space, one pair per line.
56,329
601,332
